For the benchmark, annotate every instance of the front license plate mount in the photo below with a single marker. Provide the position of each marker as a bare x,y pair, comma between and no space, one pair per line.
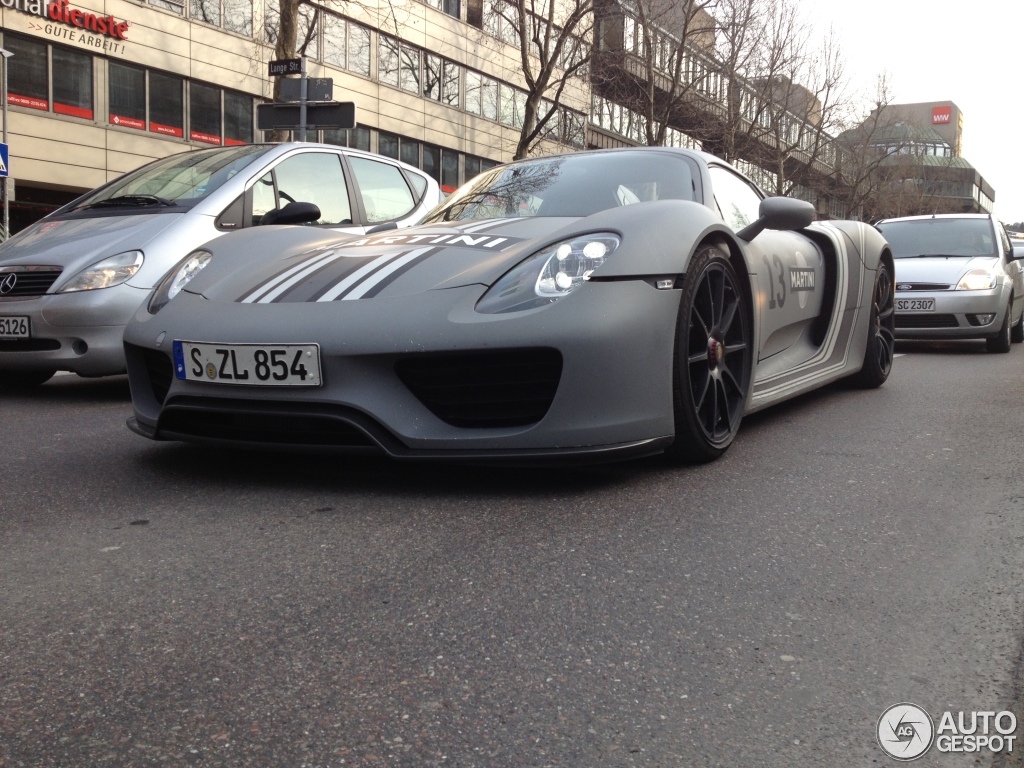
252,365
15,327
915,305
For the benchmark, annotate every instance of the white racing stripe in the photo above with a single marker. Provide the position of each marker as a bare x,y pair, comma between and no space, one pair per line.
369,283
358,275
310,264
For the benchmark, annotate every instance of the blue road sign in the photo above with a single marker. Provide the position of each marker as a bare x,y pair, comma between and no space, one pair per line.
4,165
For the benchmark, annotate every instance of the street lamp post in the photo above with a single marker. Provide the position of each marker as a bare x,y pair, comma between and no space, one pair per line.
5,54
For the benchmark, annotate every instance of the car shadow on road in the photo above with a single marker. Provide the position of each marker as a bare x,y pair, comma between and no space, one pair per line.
920,347
71,388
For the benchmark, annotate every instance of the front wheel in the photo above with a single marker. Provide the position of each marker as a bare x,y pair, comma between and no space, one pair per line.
1017,332
881,346
713,353
1001,341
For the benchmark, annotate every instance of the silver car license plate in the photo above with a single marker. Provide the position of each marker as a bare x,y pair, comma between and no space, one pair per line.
15,328
915,305
269,365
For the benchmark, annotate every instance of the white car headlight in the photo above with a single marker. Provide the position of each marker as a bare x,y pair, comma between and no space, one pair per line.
111,271
178,278
977,280
548,275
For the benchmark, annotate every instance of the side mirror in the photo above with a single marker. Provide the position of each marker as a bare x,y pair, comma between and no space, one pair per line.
784,213
293,213
1018,253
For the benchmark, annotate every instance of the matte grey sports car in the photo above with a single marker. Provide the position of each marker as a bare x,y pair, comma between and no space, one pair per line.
601,304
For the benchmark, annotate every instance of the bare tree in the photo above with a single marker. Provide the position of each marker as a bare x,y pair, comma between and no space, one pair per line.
554,38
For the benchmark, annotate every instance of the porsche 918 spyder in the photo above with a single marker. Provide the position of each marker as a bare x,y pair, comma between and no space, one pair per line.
604,304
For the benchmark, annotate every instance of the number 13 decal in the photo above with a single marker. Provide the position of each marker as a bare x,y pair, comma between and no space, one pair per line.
774,299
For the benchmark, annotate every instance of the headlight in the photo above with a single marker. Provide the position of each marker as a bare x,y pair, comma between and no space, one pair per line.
178,278
977,280
548,275
113,270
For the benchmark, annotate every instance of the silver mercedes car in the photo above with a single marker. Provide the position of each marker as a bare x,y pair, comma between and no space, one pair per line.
957,277
71,281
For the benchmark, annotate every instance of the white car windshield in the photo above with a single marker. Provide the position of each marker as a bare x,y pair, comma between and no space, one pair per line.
179,179
919,238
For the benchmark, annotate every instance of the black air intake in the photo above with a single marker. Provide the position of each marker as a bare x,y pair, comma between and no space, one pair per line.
492,388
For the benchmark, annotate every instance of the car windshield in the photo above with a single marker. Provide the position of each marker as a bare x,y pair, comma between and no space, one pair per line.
182,178
570,186
939,237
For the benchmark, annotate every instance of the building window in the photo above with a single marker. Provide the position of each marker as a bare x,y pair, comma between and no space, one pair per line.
410,152
237,118
356,138
204,113
387,145
441,80
206,11
72,91
387,61
306,41
127,89
28,81
170,5
238,16
409,69
166,104
451,7
449,170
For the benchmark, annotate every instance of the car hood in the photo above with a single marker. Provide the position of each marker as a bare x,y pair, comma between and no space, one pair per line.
387,264
77,243
946,270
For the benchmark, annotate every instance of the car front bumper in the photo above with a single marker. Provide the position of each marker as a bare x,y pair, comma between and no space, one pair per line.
79,332
957,314
614,391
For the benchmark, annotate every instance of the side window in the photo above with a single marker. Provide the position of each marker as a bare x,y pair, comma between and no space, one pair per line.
385,194
737,200
312,177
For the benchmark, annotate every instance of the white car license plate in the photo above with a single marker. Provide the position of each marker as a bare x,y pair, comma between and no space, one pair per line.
15,328
915,305
269,365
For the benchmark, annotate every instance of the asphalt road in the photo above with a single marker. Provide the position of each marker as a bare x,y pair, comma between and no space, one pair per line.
162,604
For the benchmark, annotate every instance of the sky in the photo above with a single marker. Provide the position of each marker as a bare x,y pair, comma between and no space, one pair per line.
970,53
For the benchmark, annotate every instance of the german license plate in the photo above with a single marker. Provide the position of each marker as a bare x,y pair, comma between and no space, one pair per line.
267,365
915,305
15,328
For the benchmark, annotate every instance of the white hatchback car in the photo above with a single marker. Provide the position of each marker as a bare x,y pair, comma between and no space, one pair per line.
70,282
957,277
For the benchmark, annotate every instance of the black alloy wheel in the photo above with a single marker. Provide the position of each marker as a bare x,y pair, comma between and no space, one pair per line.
881,346
714,350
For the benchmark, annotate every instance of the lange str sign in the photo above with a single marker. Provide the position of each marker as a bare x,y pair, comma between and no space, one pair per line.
280,67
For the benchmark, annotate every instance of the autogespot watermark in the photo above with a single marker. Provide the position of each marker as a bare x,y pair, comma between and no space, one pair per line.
906,731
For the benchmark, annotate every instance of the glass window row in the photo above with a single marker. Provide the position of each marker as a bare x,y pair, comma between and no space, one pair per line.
138,98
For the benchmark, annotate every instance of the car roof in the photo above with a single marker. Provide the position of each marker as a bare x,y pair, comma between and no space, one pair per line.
930,216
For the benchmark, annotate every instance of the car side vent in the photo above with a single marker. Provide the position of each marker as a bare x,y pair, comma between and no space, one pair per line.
160,370
492,388
26,282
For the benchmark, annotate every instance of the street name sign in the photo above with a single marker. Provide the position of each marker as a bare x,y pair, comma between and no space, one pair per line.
280,67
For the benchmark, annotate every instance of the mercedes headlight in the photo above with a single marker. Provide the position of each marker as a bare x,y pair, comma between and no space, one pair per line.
548,275
977,280
178,278
111,271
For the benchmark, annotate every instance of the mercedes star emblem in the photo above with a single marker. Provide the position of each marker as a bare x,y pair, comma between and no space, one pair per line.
8,283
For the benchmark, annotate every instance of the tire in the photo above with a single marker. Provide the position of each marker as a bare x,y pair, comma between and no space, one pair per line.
1017,332
881,346
712,363
24,379
1000,343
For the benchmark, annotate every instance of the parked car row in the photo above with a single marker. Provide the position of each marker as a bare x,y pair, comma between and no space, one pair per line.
593,305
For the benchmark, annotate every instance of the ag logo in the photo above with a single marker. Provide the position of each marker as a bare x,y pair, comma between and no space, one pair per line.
905,732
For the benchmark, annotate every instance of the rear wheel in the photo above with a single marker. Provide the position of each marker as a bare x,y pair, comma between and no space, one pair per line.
1001,341
714,349
881,346
24,379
